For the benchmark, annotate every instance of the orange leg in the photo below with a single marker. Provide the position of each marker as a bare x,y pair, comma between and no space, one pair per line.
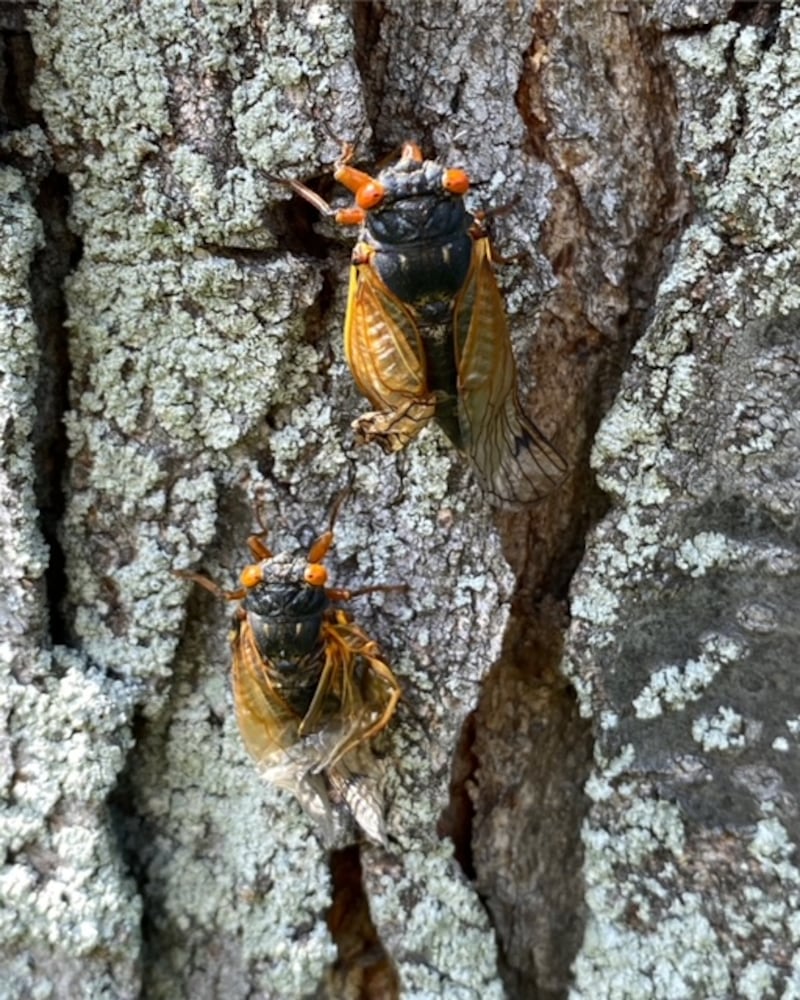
352,178
258,549
320,548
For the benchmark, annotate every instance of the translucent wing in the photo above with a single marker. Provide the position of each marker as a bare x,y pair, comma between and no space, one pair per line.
363,685
270,732
516,461
266,722
384,349
356,780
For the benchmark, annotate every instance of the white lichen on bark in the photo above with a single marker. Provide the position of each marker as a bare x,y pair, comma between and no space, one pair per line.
700,454
197,358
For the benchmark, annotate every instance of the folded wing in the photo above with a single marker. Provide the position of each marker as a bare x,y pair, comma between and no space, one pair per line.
515,460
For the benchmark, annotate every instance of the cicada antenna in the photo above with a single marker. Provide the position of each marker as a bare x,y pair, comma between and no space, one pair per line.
208,584
305,193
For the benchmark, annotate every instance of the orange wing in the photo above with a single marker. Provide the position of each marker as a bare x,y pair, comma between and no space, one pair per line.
384,349
515,459
361,683
266,722
355,698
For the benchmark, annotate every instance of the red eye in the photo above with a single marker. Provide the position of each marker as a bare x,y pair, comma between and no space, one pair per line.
251,576
370,195
316,575
455,181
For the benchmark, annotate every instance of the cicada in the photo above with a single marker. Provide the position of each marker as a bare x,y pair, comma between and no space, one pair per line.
311,690
425,331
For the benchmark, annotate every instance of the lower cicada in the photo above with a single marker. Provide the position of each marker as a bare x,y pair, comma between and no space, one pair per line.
310,688
425,331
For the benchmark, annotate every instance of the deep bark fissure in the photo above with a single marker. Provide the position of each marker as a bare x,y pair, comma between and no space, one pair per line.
455,821
759,13
50,266
525,686
135,834
363,968
367,17
17,70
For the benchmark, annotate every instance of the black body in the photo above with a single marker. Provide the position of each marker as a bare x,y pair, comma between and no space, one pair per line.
286,615
421,233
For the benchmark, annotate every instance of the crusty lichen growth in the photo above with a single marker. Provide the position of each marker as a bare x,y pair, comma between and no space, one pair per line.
24,552
202,381
64,899
682,639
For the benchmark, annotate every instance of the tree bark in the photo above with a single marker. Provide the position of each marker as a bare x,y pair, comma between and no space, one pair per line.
591,782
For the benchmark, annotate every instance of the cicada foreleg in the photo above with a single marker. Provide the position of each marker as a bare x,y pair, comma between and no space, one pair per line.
258,549
392,430
369,192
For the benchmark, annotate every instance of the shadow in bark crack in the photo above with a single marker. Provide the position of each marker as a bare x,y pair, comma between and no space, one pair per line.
363,970
533,751
55,259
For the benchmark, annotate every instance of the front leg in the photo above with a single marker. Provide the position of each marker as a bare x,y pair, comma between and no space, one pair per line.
393,429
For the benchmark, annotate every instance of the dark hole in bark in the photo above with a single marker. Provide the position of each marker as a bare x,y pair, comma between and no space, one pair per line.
363,969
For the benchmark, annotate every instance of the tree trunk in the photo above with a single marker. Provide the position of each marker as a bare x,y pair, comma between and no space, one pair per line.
592,778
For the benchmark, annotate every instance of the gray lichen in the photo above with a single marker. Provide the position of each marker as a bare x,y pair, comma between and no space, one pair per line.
683,610
197,363
66,900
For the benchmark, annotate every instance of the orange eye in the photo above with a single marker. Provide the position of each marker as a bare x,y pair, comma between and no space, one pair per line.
455,181
370,195
316,575
251,576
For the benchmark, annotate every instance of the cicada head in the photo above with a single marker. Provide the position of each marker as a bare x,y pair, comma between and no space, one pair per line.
419,231
422,201
285,602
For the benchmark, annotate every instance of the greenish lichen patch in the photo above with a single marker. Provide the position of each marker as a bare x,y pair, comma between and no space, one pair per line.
682,612
724,730
675,685
442,934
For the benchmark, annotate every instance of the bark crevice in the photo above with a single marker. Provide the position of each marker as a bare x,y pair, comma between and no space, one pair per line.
534,750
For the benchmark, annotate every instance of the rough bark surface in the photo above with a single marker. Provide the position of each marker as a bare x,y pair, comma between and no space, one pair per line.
684,632
592,778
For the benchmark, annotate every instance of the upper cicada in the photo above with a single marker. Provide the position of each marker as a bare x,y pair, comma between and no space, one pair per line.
425,332
310,688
